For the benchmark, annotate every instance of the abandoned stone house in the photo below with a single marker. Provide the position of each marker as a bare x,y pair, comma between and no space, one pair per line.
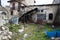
45,13
33,13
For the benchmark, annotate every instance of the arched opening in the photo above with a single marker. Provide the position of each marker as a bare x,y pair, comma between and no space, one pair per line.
50,16
26,19
3,13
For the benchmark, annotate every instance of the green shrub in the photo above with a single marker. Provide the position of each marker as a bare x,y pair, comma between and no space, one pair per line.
14,27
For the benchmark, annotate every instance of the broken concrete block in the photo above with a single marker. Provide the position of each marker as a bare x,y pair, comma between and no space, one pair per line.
21,30
0,32
3,28
9,36
10,33
4,37
26,35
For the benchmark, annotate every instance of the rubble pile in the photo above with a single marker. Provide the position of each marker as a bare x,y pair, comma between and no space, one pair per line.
5,34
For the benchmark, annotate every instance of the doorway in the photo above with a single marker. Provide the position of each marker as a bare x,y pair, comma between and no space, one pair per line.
50,16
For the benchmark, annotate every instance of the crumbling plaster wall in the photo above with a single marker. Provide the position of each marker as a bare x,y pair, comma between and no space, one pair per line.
47,11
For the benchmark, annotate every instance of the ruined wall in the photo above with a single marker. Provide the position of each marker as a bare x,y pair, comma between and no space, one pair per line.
4,15
47,11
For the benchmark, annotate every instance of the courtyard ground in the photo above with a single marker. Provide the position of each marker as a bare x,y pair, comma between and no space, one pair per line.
31,32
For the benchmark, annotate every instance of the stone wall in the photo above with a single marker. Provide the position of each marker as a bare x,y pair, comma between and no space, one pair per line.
4,15
47,11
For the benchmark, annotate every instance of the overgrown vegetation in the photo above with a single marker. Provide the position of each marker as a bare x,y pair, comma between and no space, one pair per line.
14,29
48,27
40,35
30,28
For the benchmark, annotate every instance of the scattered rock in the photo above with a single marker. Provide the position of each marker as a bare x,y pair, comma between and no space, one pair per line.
27,35
5,33
4,37
21,30
9,36
10,33
53,26
0,32
3,28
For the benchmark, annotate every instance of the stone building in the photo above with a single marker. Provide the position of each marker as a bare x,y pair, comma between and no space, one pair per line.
15,6
45,13
15,9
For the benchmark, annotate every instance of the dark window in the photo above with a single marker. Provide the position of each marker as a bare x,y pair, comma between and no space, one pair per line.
41,16
41,10
50,16
11,12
